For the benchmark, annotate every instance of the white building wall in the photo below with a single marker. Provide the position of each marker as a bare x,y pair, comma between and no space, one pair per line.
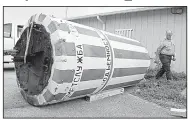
149,28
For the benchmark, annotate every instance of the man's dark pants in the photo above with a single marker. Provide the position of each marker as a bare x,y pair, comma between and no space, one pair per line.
166,61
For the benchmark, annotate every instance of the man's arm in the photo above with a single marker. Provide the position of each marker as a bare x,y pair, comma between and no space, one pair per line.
160,48
174,55
158,52
174,58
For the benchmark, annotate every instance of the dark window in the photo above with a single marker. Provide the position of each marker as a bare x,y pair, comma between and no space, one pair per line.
7,30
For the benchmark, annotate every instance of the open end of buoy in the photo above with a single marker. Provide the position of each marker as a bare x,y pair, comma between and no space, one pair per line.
33,75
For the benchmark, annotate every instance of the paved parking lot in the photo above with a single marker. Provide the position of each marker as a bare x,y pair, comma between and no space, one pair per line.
120,106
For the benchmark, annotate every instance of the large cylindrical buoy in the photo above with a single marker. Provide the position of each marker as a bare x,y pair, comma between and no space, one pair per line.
58,60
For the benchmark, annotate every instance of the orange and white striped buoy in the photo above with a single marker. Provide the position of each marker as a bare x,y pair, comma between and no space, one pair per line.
83,61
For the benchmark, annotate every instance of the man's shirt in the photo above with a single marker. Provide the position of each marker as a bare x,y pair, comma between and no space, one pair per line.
167,48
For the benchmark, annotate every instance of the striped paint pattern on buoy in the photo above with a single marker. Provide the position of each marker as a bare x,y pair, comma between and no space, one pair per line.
87,60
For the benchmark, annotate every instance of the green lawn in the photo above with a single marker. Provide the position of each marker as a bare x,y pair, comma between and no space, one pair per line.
162,92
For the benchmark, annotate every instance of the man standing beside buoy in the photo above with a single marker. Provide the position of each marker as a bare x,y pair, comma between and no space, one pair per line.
166,53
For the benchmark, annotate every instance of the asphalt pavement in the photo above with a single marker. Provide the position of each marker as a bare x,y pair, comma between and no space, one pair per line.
119,106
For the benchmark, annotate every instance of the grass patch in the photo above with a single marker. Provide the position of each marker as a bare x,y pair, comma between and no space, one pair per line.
163,92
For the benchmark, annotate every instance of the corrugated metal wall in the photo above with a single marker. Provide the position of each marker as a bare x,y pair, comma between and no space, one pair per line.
149,28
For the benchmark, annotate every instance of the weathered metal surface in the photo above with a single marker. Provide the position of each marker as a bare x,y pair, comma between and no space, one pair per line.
66,60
